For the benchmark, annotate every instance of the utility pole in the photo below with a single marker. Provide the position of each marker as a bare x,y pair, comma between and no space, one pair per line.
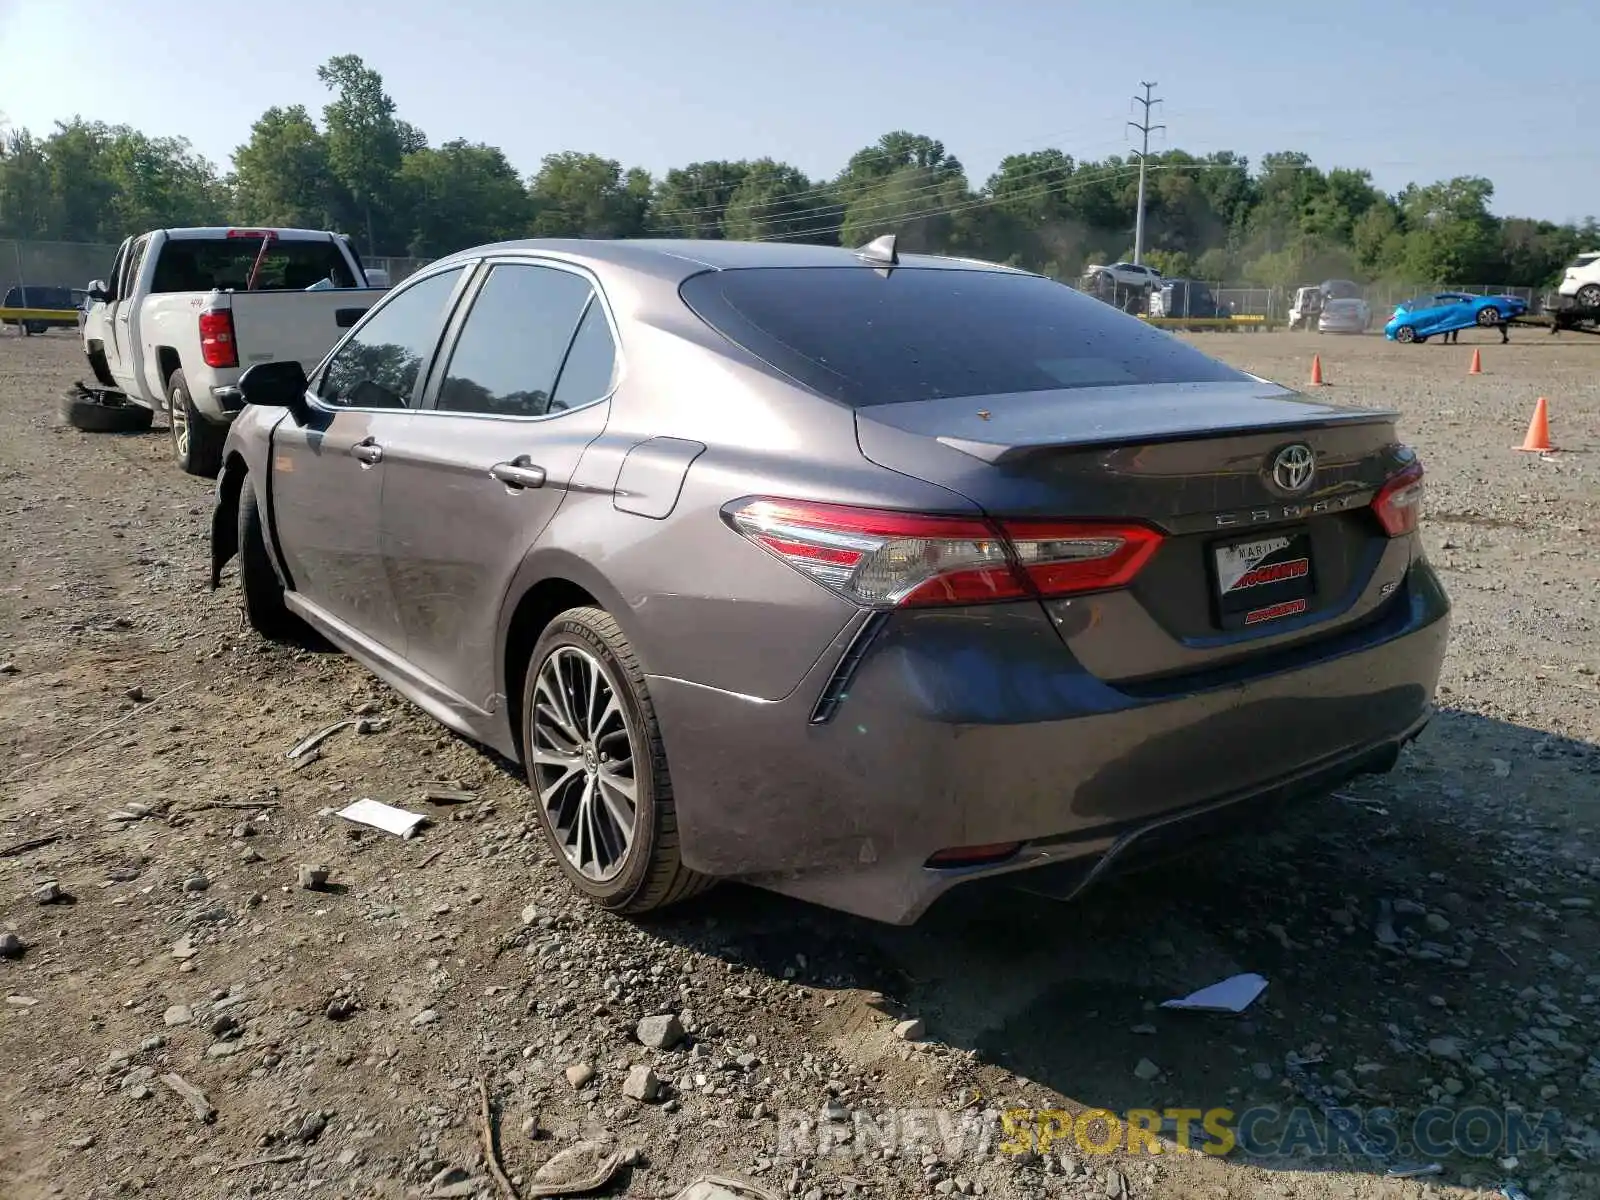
1146,129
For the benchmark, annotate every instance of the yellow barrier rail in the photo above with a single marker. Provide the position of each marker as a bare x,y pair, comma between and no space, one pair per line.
1246,322
39,314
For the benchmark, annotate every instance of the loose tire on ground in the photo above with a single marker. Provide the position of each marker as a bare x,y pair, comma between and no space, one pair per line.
85,411
259,585
196,442
652,874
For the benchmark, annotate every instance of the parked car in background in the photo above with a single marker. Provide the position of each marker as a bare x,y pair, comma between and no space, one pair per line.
1418,319
186,311
771,562
1351,315
34,296
1134,275
1581,280
1185,298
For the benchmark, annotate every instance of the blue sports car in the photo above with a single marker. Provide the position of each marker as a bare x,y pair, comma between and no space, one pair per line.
1445,312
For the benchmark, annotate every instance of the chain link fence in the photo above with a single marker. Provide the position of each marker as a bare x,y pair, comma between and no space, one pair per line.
74,264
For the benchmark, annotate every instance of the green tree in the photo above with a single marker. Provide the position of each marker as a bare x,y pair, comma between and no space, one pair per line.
462,195
26,201
284,174
584,195
908,185
692,201
775,200
366,144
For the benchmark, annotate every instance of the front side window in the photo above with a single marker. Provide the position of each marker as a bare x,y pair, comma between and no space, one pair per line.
378,365
864,337
514,341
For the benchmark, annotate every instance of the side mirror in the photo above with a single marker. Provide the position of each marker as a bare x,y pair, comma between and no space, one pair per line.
99,292
277,385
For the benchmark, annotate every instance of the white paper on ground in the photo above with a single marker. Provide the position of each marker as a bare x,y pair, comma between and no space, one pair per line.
1232,995
383,816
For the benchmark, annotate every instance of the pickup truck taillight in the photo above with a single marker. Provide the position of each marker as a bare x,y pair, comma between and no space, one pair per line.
217,346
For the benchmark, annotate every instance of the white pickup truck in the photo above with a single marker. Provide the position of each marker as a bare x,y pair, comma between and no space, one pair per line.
186,311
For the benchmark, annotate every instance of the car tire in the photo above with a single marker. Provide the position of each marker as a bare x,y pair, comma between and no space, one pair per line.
196,442
1488,318
1406,334
583,655
1589,295
85,411
259,586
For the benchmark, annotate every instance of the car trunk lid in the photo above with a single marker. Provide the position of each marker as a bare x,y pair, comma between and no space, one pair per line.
1248,563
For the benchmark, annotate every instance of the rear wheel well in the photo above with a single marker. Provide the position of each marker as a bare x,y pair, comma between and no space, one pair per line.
540,604
167,361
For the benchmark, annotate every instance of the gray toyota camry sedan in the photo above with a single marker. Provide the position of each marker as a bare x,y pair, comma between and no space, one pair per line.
854,574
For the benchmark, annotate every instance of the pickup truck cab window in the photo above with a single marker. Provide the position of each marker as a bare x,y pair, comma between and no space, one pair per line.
239,263
378,365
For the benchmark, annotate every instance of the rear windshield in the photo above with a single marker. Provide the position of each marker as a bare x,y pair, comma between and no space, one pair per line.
200,264
863,339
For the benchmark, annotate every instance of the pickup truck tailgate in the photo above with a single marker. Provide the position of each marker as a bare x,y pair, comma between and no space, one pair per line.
302,326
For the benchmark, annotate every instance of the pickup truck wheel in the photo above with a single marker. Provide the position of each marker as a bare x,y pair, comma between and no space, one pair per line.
598,769
86,411
262,590
196,442
1589,295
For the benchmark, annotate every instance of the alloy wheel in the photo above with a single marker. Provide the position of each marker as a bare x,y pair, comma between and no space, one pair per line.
582,753
178,418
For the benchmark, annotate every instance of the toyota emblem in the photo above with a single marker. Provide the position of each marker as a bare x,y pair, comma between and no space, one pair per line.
1293,468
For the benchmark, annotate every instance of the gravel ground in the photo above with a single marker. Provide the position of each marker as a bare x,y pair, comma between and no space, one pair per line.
1429,938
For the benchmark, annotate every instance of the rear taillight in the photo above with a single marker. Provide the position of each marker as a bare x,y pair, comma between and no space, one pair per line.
883,559
1399,502
1060,559
217,346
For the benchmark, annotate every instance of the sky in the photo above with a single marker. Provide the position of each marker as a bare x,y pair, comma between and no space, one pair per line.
1410,91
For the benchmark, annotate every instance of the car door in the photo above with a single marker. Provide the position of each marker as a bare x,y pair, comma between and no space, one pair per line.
111,344
328,475
479,473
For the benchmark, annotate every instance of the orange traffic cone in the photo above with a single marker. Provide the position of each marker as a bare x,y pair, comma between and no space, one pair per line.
1316,370
1477,363
1538,439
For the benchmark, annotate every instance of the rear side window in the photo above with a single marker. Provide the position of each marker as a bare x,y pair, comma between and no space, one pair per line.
864,339
1583,260
516,336
591,364
289,265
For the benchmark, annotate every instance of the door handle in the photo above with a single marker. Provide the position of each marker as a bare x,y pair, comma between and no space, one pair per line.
367,452
518,473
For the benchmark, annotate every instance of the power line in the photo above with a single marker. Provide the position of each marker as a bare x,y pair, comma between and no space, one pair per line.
1144,128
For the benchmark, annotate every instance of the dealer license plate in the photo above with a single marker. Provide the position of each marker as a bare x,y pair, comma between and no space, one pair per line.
1264,579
